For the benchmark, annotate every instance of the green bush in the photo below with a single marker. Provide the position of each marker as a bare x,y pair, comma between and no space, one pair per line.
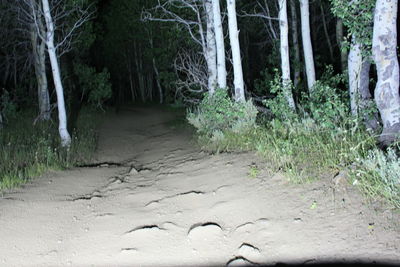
96,85
7,107
279,105
217,113
327,105
322,139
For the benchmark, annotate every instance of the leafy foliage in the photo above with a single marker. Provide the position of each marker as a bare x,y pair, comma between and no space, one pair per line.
278,105
217,113
327,105
357,16
7,107
96,85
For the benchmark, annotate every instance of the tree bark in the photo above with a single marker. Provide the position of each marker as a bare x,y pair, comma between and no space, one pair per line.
307,44
384,45
284,48
211,55
219,39
360,96
235,47
62,117
340,40
355,62
39,58
296,46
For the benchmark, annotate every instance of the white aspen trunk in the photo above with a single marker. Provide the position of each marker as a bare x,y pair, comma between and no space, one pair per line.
384,46
284,48
62,116
211,50
235,47
354,68
220,43
296,46
340,40
307,44
360,96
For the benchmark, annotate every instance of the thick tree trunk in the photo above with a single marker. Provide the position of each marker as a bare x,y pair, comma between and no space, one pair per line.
39,58
284,49
355,62
307,45
211,55
219,39
340,40
360,96
62,116
384,45
235,47
296,46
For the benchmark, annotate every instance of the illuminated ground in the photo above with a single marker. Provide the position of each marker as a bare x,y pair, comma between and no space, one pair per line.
182,207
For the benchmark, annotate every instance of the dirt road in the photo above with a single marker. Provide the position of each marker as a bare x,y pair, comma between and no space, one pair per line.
159,201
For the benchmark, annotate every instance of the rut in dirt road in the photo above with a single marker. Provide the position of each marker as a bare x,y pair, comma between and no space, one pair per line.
152,198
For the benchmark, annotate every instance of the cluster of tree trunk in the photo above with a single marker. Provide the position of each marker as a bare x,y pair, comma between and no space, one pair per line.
213,58
355,62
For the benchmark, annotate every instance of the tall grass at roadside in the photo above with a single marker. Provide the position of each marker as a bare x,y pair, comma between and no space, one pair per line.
320,140
27,151
302,151
378,175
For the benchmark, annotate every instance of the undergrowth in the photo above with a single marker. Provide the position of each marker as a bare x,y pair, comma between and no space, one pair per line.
320,138
27,151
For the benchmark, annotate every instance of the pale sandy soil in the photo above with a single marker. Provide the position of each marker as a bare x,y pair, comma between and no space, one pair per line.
183,207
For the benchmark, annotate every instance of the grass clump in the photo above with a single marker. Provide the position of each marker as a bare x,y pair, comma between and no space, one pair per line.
27,151
378,175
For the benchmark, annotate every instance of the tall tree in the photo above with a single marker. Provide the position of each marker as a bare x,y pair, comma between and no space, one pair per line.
307,44
295,41
37,30
220,43
358,69
284,48
340,40
356,16
211,47
195,17
51,49
384,45
238,82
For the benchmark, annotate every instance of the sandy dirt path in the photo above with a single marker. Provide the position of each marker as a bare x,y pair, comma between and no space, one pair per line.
168,204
